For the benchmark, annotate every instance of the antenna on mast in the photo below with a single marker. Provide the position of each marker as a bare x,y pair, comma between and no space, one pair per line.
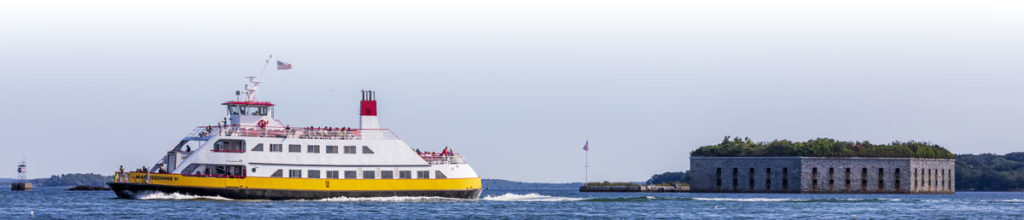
250,92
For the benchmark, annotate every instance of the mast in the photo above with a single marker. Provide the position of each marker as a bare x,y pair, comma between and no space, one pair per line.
250,92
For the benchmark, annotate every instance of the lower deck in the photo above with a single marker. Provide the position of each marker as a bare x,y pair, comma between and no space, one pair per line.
254,184
134,190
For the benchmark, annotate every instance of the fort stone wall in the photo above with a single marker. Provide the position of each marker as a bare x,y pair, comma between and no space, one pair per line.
745,174
821,175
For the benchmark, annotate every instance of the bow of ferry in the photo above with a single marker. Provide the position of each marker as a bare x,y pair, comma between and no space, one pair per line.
252,155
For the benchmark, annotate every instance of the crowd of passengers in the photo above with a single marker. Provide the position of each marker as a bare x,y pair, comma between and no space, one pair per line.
434,155
306,132
324,132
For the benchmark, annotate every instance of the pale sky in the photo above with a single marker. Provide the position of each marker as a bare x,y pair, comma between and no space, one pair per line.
514,86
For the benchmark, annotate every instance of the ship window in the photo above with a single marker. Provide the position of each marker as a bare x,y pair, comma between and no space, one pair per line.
332,149
229,145
366,150
233,109
314,149
294,148
190,168
350,174
369,174
278,173
439,175
294,173
315,174
423,174
275,147
332,174
350,149
258,147
387,174
404,174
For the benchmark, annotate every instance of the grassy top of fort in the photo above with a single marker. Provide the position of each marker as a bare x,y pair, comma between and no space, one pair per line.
821,147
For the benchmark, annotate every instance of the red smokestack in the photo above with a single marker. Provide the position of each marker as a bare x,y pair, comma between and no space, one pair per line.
368,106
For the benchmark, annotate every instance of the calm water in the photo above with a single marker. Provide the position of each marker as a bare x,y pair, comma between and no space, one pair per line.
521,204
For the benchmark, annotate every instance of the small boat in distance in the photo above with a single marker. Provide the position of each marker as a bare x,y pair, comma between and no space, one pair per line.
252,155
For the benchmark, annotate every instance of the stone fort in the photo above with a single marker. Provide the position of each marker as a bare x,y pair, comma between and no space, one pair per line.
821,175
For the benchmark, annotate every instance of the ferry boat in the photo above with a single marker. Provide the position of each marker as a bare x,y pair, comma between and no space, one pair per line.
253,155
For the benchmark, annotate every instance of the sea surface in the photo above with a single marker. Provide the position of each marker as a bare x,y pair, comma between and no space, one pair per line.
56,203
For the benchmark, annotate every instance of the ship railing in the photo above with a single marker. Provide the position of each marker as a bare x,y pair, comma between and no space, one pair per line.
215,175
437,158
205,132
120,177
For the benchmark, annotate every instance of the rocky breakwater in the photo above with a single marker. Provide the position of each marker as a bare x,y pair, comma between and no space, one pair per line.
635,188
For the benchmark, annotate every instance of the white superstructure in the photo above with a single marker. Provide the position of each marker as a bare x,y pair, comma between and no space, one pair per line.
251,142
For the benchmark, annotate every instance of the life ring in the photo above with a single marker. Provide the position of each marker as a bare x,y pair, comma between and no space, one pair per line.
262,124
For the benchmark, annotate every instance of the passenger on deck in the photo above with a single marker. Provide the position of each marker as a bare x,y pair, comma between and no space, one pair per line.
188,149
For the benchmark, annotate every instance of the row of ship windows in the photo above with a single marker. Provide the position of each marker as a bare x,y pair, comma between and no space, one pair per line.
351,174
315,149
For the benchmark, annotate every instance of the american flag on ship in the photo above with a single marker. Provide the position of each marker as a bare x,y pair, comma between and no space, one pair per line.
283,65
586,146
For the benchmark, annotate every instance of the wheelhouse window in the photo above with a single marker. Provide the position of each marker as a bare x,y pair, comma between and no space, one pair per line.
369,174
258,147
332,149
313,149
366,150
350,149
294,173
315,174
259,110
387,174
275,147
405,174
294,148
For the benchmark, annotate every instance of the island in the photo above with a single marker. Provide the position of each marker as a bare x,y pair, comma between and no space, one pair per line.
822,165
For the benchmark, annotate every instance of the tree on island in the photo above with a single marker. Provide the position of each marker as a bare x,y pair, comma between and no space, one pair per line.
990,172
669,178
820,147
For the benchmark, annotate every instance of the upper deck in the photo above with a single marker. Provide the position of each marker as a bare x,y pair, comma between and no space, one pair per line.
205,132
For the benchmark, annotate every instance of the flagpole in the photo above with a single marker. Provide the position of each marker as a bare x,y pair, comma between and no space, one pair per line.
265,64
586,163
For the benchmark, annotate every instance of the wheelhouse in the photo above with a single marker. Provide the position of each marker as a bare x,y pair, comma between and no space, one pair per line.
250,108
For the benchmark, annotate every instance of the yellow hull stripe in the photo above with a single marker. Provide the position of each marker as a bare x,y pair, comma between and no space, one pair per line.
278,183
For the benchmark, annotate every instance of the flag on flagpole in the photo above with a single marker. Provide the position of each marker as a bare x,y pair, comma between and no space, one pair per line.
283,65
586,146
